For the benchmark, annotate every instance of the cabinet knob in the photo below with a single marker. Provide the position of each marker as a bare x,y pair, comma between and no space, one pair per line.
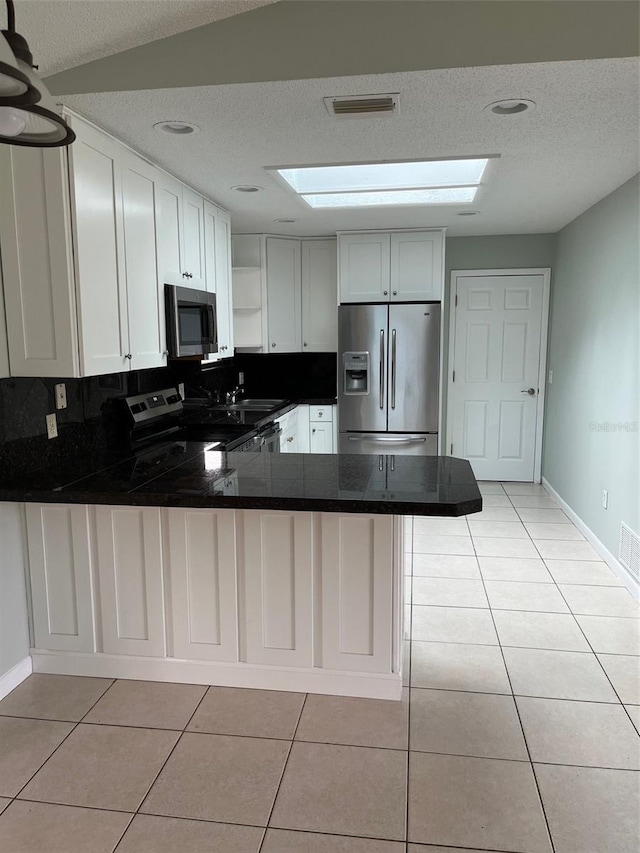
395,292
305,343
385,292
290,439
166,353
313,430
273,345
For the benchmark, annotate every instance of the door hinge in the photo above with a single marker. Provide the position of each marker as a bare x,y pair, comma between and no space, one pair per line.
456,302
454,376
451,451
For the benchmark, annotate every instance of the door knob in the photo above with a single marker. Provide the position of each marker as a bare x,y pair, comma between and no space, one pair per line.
530,391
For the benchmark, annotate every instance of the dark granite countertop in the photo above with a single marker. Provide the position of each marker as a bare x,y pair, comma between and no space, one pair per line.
193,474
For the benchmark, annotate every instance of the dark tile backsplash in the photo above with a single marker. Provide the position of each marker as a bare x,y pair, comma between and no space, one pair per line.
291,375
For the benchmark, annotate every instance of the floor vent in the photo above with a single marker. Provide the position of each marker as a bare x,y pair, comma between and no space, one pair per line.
363,106
630,551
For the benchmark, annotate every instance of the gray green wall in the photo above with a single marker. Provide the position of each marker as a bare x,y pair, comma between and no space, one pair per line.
589,443
14,625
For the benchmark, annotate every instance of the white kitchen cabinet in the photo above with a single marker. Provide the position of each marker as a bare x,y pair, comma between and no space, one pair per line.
357,592
193,240
60,562
363,264
417,266
284,295
321,437
169,230
202,572
402,266
288,422
319,296
130,569
278,584
224,294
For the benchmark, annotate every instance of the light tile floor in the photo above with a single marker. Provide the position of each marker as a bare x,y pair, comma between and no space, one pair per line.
518,728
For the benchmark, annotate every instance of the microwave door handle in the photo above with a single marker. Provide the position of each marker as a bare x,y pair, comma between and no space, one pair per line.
212,336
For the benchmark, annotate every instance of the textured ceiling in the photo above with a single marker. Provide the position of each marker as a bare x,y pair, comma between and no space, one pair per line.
66,33
579,144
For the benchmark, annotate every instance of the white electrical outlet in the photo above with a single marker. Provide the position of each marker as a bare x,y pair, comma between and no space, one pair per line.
61,395
605,499
52,426
181,389
551,377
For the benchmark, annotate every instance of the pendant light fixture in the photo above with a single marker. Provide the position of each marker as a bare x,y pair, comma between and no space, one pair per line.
27,112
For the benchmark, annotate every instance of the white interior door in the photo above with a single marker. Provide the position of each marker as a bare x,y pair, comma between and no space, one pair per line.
496,369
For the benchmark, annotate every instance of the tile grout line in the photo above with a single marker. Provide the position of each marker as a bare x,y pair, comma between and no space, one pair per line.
515,704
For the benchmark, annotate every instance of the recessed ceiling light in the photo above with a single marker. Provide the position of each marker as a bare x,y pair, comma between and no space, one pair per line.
510,107
468,213
285,220
247,188
176,128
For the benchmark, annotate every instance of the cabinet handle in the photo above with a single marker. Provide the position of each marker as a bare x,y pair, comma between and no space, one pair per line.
273,345
129,356
395,292
385,292
187,275
305,343
166,353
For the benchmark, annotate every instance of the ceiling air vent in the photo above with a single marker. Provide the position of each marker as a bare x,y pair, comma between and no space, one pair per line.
630,551
363,106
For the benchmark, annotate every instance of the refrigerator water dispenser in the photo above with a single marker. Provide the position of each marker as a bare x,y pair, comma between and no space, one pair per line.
356,372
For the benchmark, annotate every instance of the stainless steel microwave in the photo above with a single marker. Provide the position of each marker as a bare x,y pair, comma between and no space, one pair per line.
191,321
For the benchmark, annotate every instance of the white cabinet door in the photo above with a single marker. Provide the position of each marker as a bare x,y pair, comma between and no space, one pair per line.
283,295
289,435
278,568
4,348
129,557
363,267
193,239
202,569
224,295
95,174
357,592
61,587
321,438
145,303
319,296
417,266
169,230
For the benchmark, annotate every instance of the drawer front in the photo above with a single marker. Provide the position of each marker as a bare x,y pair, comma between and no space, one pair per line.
320,413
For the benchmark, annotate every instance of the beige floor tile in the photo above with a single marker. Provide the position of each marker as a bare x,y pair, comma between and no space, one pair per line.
557,549
453,625
149,704
585,733
355,722
54,697
611,634
546,530
287,841
449,592
347,790
445,566
533,502
488,487
525,489
624,673
634,713
558,631
492,546
439,544
470,801
495,513
557,675
43,828
552,516
151,834
500,529
104,767
255,713
477,724
24,747
4,802
456,666
582,572
600,600
512,595
221,778
525,569
445,526
500,500
591,810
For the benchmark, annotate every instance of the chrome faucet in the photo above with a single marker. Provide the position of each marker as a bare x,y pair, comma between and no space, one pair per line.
232,396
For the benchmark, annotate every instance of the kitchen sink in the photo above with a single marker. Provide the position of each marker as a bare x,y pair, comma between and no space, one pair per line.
256,405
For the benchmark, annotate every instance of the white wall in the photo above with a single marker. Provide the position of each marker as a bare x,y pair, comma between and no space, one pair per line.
14,622
590,442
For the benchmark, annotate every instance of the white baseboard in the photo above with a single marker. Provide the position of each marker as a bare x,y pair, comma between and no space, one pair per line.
627,579
16,675
221,674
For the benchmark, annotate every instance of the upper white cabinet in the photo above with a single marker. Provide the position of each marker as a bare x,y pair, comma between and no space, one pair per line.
90,235
319,296
223,287
284,295
4,347
391,267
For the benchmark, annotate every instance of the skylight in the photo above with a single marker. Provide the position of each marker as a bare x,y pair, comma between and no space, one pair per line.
387,184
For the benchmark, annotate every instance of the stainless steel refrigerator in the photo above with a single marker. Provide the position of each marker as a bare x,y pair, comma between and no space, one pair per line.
388,382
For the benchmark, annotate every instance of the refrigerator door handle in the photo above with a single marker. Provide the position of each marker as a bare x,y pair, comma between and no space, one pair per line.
393,369
382,353
389,439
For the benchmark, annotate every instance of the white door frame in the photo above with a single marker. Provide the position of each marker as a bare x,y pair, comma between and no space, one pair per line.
545,272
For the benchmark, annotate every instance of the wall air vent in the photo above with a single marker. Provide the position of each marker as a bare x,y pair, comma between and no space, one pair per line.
629,553
363,106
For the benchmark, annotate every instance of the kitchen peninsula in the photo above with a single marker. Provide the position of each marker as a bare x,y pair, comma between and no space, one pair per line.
280,571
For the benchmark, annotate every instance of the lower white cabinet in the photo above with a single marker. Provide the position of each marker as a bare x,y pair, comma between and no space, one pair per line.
278,583
58,538
321,437
129,566
202,577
